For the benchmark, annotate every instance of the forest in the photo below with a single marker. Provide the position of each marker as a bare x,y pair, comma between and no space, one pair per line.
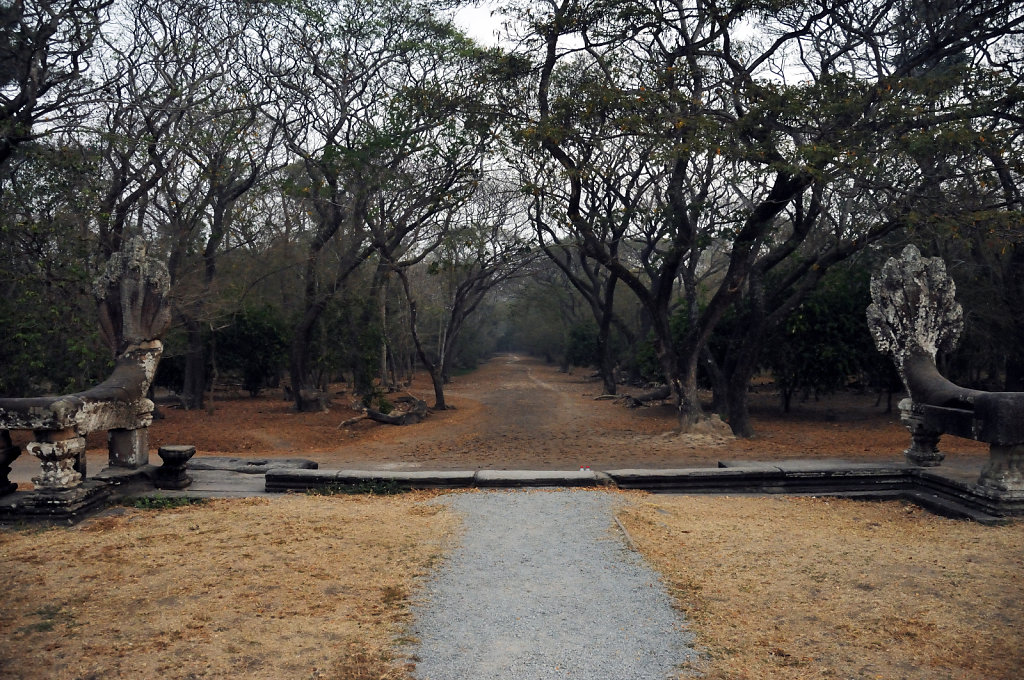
687,193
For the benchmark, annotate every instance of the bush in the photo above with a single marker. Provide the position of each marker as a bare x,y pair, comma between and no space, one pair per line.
254,346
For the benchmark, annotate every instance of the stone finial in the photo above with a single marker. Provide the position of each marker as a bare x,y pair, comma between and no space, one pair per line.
132,297
914,311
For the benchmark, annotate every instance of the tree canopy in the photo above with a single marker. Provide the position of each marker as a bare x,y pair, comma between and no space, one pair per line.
364,183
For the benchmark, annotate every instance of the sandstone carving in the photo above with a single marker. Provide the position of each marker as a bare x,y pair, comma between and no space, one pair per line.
914,315
134,315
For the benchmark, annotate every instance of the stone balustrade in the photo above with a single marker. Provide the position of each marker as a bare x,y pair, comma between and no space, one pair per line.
913,316
134,314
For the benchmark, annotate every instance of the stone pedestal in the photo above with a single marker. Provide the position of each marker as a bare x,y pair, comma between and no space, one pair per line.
60,453
8,454
1004,472
172,474
64,504
128,448
924,441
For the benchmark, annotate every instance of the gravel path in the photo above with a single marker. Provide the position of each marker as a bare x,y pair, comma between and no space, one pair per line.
543,586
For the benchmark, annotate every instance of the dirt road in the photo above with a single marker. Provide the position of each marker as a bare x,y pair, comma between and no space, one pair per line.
508,414
516,412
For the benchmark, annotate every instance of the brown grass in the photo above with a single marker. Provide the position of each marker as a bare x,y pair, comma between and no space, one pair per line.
295,587
318,587
814,588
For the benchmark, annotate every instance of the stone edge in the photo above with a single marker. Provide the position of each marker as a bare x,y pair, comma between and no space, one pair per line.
931,491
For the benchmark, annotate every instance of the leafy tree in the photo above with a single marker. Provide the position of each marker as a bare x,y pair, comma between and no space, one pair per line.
583,347
49,338
752,139
824,343
255,345
364,105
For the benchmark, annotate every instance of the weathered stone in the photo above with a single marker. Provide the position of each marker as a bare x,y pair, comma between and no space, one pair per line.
914,311
913,315
924,441
134,313
64,504
58,459
132,297
172,474
128,448
8,454
1004,472
516,478
255,466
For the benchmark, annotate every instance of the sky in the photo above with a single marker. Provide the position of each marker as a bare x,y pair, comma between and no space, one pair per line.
478,23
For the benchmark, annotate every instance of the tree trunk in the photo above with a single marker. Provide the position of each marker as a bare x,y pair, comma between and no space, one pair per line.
604,330
683,387
306,394
194,387
690,410
745,354
742,366
719,385
438,381
604,348
737,398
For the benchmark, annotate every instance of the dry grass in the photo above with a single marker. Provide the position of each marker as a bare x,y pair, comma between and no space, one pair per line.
296,587
318,587
814,588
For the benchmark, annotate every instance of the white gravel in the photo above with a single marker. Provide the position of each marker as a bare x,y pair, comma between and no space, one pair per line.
543,586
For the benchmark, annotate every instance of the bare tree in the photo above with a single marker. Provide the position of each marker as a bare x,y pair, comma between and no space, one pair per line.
484,245
45,48
820,92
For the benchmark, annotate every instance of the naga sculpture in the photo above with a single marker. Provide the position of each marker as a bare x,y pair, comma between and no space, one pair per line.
913,316
134,314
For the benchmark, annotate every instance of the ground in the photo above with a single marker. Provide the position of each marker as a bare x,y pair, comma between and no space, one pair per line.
319,587
519,413
516,412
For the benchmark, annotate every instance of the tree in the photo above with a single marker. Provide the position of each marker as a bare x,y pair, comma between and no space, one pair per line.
482,247
751,134
255,345
217,150
356,100
44,55
824,343
49,338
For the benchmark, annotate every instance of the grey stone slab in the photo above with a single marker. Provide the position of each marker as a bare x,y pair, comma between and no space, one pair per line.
516,478
280,479
838,466
683,475
415,479
221,480
746,464
256,466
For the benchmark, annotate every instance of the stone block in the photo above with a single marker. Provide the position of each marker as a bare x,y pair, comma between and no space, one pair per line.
128,448
517,478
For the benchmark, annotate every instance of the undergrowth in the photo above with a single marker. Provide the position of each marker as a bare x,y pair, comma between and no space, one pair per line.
162,502
368,487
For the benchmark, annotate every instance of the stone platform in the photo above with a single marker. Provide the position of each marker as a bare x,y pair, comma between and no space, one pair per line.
947,490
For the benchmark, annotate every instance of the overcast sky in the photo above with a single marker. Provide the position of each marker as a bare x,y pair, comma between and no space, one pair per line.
478,23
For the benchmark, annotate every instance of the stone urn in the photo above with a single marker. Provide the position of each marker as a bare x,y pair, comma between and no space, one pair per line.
173,474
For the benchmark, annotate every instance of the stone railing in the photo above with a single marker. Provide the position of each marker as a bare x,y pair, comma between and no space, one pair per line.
914,314
134,315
